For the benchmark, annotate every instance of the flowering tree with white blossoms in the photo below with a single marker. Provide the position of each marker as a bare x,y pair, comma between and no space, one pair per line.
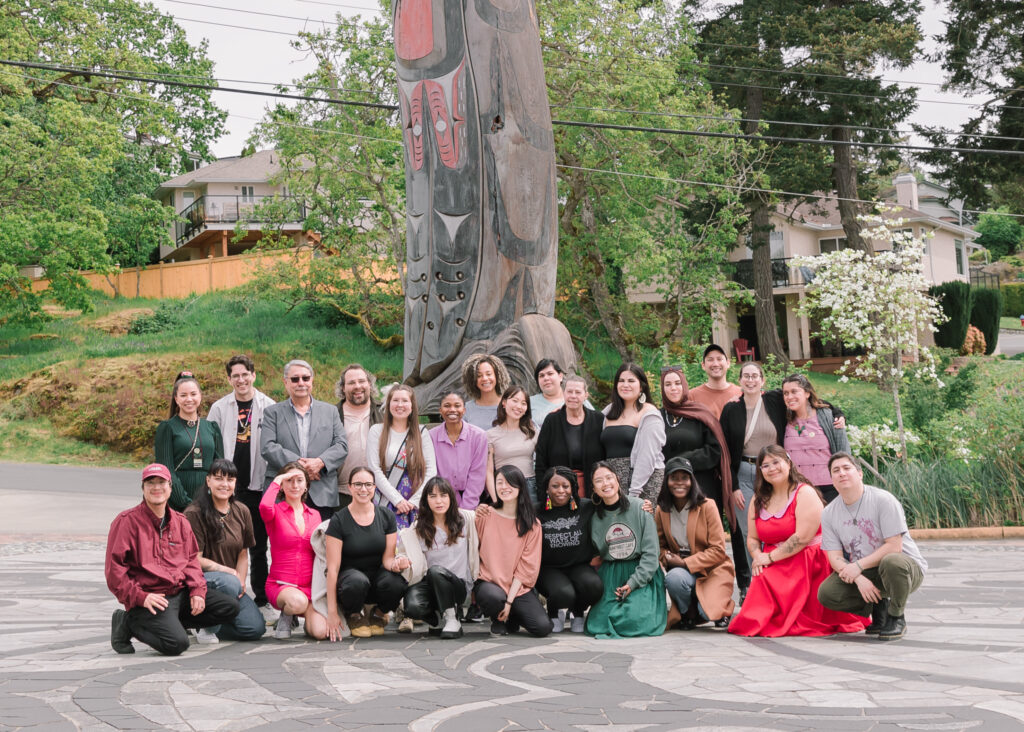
878,302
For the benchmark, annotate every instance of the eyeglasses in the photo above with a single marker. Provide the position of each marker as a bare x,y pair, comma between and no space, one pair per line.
297,379
361,485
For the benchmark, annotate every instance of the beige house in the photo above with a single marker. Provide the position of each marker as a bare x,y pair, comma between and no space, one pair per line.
214,199
811,229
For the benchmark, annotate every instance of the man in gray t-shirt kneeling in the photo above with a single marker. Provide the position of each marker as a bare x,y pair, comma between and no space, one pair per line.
877,565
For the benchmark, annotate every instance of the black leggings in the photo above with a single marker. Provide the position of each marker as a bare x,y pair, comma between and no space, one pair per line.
526,610
574,588
439,590
165,632
355,589
739,546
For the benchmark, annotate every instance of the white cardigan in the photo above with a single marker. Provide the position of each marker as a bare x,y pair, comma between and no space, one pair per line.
409,546
380,473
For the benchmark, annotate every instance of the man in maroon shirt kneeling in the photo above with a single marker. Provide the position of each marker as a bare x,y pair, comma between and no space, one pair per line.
152,559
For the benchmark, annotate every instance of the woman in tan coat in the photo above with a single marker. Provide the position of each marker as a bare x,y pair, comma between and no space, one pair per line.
699,575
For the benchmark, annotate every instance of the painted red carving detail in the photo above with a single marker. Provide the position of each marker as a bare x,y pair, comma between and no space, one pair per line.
412,110
441,119
414,29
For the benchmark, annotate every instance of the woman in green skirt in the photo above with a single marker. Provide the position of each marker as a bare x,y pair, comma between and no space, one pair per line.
633,603
186,443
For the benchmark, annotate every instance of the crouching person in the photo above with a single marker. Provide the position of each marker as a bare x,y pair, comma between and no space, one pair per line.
152,567
877,565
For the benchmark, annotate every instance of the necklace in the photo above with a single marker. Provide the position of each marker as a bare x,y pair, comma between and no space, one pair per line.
189,422
860,504
673,421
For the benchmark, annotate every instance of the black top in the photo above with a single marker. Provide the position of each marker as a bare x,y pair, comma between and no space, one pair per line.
243,445
362,547
618,440
691,439
566,535
555,445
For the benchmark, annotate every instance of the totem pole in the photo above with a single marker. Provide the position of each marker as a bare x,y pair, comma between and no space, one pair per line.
482,228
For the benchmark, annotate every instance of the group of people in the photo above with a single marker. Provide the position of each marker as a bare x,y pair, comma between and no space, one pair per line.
538,512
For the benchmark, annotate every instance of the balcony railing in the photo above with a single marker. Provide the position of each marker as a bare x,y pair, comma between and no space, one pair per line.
208,210
783,275
984,279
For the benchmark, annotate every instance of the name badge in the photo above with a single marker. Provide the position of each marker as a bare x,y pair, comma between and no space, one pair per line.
197,459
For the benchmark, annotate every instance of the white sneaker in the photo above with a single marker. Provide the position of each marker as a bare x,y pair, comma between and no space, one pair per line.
269,614
558,622
452,627
577,624
206,636
283,629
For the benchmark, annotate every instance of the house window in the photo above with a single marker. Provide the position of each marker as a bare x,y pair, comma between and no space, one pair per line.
248,194
777,244
831,245
907,233
958,249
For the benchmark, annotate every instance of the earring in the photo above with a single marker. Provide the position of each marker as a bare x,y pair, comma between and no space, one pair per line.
572,504
547,505
642,399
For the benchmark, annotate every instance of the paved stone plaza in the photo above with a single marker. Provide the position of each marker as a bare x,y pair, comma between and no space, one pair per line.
961,665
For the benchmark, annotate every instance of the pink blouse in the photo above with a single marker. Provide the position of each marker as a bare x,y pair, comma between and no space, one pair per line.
291,554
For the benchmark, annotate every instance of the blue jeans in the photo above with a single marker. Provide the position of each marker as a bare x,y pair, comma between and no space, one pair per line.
249,624
681,585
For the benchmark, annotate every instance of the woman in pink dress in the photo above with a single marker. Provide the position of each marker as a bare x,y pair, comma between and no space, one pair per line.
290,524
788,563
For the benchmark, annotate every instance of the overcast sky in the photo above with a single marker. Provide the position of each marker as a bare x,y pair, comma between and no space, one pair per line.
245,54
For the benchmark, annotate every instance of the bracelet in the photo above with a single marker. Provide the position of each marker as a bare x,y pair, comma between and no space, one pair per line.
858,565
770,560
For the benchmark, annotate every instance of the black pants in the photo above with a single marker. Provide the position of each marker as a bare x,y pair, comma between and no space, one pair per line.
739,548
165,632
574,588
258,566
355,589
325,511
435,593
526,610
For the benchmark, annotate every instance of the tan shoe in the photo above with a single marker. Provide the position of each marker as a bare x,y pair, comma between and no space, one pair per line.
358,626
406,626
377,623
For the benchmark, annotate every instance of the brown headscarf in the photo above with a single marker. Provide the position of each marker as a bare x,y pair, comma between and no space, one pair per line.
690,409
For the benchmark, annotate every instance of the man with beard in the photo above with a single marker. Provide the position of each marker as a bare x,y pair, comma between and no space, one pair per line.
359,410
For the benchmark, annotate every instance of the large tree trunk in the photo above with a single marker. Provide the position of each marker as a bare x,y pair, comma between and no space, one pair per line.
605,304
844,175
764,303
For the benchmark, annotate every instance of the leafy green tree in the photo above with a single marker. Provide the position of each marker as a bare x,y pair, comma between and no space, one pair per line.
1000,234
63,133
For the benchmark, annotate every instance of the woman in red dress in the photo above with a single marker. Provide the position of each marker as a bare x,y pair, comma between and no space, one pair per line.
788,563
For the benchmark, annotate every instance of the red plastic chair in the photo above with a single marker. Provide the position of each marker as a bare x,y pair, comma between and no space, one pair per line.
743,349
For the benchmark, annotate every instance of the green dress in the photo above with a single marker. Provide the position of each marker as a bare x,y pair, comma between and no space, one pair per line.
173,448
627,541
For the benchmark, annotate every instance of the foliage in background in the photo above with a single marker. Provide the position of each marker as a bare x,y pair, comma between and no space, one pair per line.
986,309
1000,234
1013,299
955,300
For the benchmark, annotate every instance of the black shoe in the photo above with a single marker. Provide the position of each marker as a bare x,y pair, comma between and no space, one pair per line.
722,622
434,631
743,596
879,617
895,628
120,635
474,614
498,628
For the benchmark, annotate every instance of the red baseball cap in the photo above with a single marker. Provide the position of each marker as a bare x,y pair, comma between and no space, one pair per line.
154,470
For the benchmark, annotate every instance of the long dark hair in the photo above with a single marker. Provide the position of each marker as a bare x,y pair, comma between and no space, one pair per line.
209,516
526,421
564,472
599,505
762,488
183,378
666,501
453,521
526,513
415,462
645,389
813,400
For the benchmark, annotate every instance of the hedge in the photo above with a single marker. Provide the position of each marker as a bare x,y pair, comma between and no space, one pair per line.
955,301
985,313
1013,299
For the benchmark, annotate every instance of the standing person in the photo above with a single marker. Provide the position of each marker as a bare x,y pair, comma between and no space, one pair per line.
186,444
877,564
224,531
307,431
785,541
550,378
698,572
633,603
568,581
444,559
510,552
460,451
811,436
513,439
290,525
361,564
240,418
572,438
152,568
358,410
401,455
484,379
634,434
716,392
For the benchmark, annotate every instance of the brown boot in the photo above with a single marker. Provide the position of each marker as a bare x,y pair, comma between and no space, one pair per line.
358,626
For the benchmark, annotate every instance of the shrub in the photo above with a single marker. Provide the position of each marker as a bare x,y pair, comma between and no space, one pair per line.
1013,299
985,313
955,301
974,342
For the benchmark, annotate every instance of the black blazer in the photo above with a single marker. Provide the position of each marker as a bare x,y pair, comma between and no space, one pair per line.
552,449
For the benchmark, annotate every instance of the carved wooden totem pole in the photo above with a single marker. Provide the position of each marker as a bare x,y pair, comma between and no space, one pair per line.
482,229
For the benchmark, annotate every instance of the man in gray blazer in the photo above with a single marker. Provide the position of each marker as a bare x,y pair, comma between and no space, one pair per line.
305,430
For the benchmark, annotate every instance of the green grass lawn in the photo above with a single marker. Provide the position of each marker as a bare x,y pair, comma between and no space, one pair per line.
1010,323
